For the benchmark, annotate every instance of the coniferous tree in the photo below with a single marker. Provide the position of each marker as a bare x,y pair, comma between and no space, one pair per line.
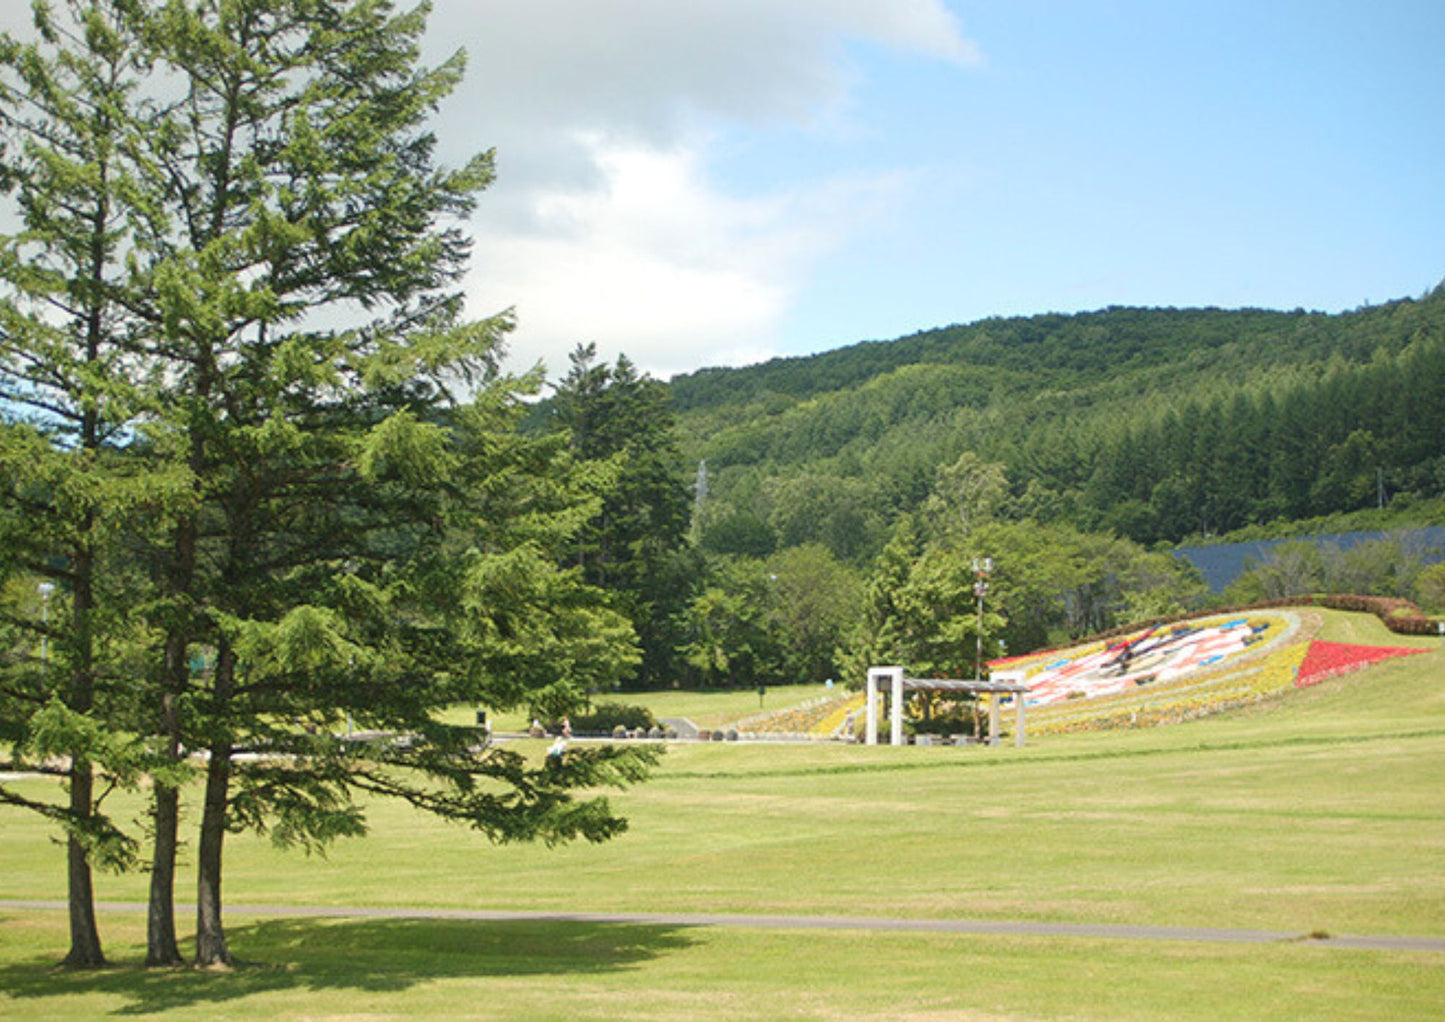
636,546
67,485
360,533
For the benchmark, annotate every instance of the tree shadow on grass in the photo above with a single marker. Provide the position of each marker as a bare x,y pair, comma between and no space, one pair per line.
361,955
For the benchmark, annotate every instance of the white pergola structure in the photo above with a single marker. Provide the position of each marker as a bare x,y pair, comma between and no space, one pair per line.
895,684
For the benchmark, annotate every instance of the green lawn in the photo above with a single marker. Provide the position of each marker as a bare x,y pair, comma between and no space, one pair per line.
705,708
391,969
1319,812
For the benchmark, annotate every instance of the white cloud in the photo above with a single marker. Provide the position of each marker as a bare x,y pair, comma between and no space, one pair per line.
605,225
643,262
638,66
654,262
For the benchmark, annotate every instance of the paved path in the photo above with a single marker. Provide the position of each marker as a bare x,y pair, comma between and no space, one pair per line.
684,727
1105,931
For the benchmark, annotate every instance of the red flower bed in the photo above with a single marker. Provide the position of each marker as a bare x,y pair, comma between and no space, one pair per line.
1327,659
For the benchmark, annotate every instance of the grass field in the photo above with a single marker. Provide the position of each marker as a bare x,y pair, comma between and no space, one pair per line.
704,708
1322,811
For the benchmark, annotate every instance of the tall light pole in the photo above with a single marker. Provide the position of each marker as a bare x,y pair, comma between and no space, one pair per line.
46,590
982,569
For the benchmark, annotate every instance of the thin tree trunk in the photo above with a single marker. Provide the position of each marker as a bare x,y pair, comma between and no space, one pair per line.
85,949
161,946
210,935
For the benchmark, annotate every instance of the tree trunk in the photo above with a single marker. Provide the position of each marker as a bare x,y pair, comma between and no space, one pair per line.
210,936
161,946
85,950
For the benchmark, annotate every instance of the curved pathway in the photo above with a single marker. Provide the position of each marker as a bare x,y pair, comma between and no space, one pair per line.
1106,931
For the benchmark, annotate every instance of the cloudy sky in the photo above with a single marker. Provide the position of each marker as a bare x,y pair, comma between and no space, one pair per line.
715,182
719,181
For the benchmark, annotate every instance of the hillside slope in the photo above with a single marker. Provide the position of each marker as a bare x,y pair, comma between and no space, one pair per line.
1155,423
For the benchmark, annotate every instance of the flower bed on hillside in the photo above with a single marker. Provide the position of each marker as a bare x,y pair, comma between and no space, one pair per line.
1228,686
1205,693
1158,675
1330,659
1156,656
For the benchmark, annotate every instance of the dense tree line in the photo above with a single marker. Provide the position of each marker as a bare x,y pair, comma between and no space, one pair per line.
618,422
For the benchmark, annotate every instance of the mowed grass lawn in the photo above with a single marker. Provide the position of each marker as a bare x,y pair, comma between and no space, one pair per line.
1323,811
706,709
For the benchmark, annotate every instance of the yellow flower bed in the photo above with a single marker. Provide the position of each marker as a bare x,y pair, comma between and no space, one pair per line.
854,704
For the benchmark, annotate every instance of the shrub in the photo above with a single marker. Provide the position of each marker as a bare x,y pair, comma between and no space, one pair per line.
956,719
610,716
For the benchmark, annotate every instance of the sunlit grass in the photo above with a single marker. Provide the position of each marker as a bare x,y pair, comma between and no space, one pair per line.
707,708
1319,811
306,969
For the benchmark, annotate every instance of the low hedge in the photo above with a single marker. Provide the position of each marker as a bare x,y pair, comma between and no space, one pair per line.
1400,616
606,717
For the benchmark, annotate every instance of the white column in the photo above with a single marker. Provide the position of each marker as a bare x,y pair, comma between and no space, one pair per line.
895,733
1015,678
993,718
870,735
878,676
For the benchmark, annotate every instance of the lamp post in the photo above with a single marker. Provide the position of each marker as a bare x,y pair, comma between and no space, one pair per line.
46,590
982,569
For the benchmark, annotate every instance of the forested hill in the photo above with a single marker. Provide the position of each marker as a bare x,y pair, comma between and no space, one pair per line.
1155,423
1077,349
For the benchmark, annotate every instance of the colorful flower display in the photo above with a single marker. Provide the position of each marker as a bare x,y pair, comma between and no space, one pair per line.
1154,656
810,719
1208,691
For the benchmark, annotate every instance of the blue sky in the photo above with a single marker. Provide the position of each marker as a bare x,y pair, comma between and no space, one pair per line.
719,182
1278,155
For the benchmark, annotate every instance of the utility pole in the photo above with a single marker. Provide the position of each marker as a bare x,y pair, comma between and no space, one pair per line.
982,569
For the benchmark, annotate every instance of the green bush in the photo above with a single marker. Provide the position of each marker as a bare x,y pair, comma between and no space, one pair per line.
606,717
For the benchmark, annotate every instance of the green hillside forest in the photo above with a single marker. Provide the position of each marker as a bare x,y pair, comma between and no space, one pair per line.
1155,424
